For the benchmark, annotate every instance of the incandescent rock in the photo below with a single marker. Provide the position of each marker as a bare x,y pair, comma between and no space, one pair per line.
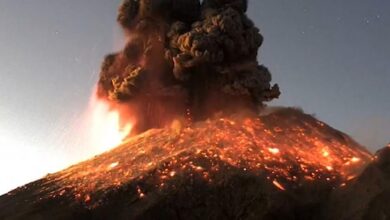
280,165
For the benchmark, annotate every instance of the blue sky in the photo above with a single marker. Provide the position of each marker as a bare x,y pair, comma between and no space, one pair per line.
329,57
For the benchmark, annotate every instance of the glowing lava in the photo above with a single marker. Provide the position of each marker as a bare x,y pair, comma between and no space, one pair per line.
288,147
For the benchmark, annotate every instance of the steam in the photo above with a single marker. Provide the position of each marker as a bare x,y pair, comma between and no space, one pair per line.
186,56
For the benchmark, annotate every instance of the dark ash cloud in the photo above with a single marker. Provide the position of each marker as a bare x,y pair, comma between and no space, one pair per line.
184,55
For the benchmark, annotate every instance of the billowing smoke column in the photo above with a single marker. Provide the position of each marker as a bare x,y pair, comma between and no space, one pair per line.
185,57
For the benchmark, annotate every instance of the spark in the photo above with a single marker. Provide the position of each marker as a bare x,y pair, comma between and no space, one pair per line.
172,173
140,193
274,150
198,168
325,153
278,185
113,165
87,198
355,159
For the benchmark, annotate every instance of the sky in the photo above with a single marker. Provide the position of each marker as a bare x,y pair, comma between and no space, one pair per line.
330,58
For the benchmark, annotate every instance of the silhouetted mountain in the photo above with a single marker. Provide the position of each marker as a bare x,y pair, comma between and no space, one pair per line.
367,196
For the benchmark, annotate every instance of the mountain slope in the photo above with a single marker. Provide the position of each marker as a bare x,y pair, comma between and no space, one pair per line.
366,197
276,166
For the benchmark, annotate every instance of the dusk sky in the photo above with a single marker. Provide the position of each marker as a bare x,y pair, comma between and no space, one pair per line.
330,58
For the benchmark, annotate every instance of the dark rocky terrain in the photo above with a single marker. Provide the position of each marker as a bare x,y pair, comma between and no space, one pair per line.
367,196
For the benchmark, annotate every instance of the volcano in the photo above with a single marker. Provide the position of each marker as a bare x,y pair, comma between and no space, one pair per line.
281,164
203,144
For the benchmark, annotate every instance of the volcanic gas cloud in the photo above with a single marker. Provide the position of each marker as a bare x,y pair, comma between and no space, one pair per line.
185,58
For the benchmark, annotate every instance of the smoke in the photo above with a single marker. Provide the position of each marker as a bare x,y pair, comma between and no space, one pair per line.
186,57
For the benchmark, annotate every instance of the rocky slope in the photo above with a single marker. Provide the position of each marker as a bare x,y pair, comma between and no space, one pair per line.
281,165
367,196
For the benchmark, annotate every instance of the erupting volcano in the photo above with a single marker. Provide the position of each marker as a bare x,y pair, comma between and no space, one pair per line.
185,102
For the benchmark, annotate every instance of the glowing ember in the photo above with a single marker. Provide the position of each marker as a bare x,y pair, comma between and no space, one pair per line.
325,153
274,150
87,198
355,159
113,165
278,185
198,168
140,193
172,174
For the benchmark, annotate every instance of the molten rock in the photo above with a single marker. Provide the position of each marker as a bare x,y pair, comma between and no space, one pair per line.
281,165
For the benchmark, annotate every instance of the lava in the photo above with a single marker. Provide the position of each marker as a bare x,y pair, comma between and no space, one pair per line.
278,185
289,147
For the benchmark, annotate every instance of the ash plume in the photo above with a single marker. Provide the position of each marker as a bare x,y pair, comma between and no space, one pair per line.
185,57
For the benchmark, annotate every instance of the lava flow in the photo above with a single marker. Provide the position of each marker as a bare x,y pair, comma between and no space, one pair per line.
288,147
